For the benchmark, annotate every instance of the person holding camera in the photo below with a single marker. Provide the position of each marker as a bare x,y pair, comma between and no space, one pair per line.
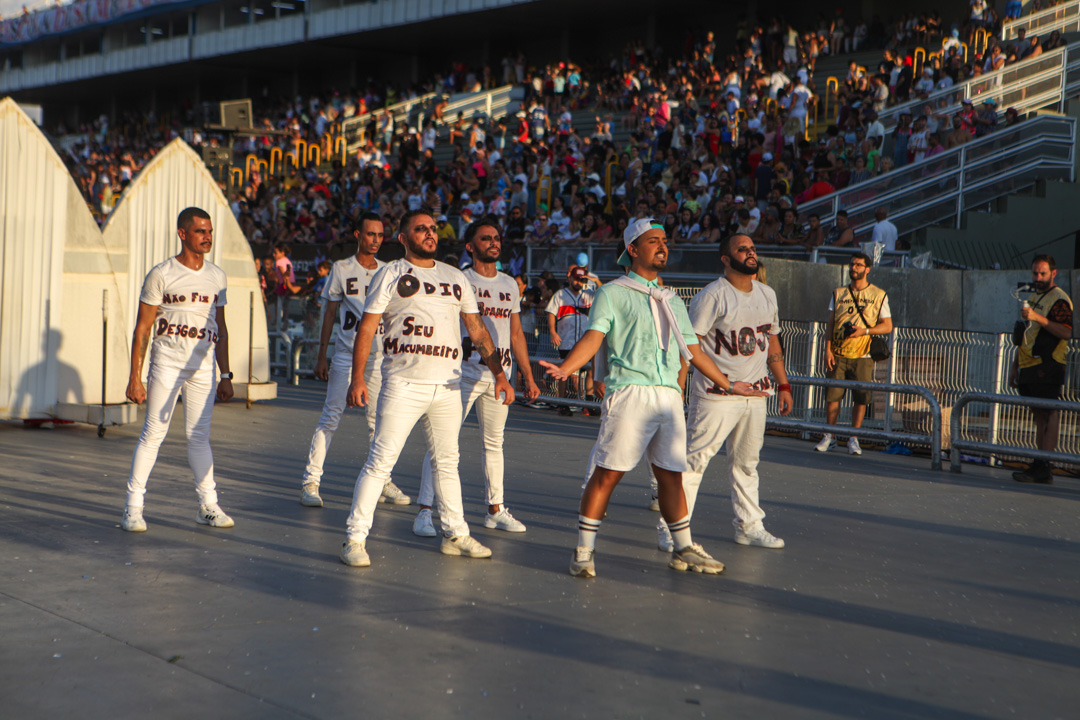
857,312
1038,370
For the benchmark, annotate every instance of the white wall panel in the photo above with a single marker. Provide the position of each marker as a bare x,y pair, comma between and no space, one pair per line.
144,222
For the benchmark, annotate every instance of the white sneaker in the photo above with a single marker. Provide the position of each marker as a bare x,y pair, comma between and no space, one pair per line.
422,525
503,520
309,495
758,537
693,558
654,504
828,442
392,494
354,553
132,521
213,516
583,565
853,446
663,538
465,545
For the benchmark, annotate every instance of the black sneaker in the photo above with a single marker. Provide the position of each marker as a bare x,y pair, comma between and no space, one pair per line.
1040,473
565,411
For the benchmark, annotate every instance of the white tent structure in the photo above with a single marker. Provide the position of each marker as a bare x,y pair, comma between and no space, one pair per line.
56,276
142,229
69,293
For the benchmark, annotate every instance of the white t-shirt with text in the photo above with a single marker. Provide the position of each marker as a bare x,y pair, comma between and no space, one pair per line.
348,284
421,309
185,329
735,327
497,298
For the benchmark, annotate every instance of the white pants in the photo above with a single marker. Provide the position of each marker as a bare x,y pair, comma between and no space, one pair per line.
337,390
738,424
491,414
401,405
163,385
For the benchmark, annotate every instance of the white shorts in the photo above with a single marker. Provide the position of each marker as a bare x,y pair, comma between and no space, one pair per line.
642,419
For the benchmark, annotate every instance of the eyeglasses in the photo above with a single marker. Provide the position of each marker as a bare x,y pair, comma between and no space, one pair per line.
858,265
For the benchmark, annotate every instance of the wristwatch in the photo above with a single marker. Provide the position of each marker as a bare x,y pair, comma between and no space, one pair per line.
227,376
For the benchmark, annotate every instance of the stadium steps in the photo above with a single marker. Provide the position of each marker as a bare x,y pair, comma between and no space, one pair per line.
1005,234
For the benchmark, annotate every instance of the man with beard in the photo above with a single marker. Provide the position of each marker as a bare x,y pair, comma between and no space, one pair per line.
1039,367
419,301
736,320
499,300
345,293
649,339
856,311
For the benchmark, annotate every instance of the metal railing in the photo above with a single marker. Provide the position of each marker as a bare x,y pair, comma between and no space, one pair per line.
944,186
1026,85
353,127
959,443
488,104
933,438
1063,18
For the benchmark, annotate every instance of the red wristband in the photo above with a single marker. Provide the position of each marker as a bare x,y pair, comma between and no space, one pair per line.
784,387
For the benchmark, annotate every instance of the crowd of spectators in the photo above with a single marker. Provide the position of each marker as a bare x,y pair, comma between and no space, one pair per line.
711,142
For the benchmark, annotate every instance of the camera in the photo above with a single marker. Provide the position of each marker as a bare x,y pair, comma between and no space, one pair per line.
847,330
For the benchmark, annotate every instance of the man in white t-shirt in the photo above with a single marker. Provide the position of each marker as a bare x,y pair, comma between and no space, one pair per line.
884,232
736,320
183,306
419,301
568,319
344,294
499,300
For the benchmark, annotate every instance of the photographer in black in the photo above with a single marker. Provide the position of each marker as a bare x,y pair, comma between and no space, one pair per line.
856,312
1039,367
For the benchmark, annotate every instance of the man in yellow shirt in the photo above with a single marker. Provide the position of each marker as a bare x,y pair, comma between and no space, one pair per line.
1039,367
856,311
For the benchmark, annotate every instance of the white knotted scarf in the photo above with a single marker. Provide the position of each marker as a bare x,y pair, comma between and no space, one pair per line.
663,315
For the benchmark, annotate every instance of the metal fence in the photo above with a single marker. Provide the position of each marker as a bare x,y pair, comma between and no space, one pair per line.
949,363
1063,18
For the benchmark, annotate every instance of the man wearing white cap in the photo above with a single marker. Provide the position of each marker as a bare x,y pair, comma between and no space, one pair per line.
649,338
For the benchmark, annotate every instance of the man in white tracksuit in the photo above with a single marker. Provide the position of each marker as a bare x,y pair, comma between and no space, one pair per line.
183,305
420,302
499,300
345,293
736,320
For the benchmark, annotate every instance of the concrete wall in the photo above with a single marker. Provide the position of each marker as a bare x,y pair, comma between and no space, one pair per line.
977,300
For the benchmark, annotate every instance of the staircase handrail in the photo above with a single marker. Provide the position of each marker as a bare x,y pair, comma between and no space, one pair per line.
1008,80
351,126
961,171
1058,17
487,103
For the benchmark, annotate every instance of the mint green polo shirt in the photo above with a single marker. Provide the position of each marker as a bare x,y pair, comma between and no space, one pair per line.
634,355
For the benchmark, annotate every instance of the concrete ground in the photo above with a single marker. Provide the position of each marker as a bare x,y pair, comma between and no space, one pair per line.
903,593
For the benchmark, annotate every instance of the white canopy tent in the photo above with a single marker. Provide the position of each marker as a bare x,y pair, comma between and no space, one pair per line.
63,282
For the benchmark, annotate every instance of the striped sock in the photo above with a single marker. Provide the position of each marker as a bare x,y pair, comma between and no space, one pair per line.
587,529
680,533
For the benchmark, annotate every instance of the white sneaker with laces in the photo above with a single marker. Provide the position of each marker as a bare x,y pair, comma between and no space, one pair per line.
354,553
654,504
213,516
853,446
132,521
758,537
392,494
503,520
422,525
663,538
309,495
828,442
464,545
582,564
